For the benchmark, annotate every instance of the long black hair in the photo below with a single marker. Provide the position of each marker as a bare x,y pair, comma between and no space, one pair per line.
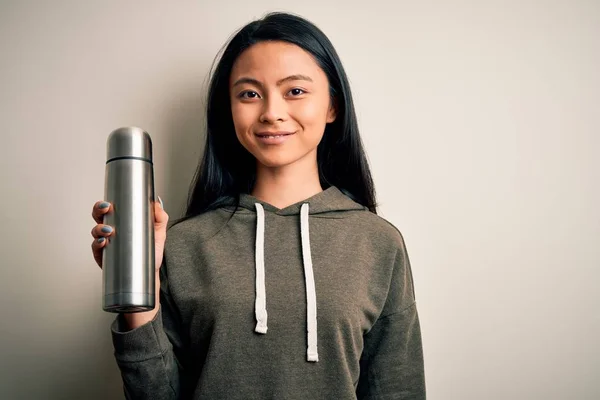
227,169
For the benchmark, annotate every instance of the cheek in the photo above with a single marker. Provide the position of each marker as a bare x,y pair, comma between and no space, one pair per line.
243,117
240,124
312,116
239,115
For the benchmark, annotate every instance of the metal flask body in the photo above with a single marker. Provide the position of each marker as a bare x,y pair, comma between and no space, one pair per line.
128,259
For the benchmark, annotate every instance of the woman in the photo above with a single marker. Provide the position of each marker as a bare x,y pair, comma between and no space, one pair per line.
280,282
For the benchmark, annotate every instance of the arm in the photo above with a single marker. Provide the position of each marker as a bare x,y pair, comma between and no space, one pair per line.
391,365
147,355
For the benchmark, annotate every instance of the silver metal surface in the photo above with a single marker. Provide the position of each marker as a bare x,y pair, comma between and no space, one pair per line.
129,142
128,262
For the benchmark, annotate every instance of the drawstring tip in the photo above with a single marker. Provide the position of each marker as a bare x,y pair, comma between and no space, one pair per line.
313,357
260,328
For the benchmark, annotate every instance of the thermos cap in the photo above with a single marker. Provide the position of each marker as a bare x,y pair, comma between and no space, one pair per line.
129,142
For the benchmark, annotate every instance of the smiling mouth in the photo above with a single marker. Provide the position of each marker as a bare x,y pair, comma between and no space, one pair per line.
273,135
273,138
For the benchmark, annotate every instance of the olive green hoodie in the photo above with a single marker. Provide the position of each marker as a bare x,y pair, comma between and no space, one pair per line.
312,301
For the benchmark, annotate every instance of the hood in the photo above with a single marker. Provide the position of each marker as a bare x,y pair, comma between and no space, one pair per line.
331,200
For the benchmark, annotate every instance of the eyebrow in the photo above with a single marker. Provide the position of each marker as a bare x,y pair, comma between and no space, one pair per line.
252,81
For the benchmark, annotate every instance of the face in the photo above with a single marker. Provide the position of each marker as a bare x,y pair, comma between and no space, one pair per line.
280,103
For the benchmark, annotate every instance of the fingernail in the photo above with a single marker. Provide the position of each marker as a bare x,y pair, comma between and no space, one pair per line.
106,229
161,203
101,240
103,205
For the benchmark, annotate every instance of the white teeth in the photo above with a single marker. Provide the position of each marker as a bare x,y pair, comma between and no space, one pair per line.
273,136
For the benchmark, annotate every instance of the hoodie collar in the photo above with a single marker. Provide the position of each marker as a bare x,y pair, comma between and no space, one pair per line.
330,199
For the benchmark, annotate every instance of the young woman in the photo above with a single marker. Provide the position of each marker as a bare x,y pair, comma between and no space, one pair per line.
281,281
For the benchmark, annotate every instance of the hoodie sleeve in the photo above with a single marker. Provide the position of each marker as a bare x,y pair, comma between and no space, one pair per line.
150,356
391,364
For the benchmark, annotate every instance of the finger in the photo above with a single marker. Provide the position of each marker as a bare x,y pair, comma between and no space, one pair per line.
100,208
160,215
97,249
102,230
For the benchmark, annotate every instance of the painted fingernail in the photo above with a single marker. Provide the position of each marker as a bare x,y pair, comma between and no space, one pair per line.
103,205
101,240
106,229
162,205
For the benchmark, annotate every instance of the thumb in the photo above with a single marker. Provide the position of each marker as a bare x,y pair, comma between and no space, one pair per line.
160,215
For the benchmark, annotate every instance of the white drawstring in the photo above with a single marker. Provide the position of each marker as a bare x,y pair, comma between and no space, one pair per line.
260,307
260,304
311,296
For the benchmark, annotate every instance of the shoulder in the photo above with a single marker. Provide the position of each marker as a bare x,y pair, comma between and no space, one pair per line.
379,226
380,229
197,229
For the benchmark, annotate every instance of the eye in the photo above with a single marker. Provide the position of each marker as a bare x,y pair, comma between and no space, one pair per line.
248,94
296,92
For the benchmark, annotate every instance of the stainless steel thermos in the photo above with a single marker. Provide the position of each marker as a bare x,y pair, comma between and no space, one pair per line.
128,259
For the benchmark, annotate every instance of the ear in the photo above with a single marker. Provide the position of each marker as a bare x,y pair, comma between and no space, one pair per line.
332,112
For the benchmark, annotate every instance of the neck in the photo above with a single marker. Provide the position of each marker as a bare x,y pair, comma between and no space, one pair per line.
287,185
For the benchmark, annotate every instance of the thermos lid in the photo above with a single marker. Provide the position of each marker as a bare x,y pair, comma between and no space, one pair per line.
129,142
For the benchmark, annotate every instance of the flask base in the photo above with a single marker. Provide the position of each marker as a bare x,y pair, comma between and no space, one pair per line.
128,302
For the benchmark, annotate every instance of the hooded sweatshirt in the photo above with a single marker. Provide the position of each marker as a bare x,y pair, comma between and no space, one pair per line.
311,301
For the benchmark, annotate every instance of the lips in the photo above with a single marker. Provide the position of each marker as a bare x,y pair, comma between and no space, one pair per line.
274,134
273,138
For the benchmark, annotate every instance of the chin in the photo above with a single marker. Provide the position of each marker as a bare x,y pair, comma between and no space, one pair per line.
274,163
277,161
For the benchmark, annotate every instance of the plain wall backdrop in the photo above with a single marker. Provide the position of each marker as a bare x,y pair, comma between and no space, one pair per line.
480,119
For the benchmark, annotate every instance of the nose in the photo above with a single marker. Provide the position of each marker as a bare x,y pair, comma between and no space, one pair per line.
274,110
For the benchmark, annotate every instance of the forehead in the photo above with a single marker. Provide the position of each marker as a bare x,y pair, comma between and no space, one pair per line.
273,60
